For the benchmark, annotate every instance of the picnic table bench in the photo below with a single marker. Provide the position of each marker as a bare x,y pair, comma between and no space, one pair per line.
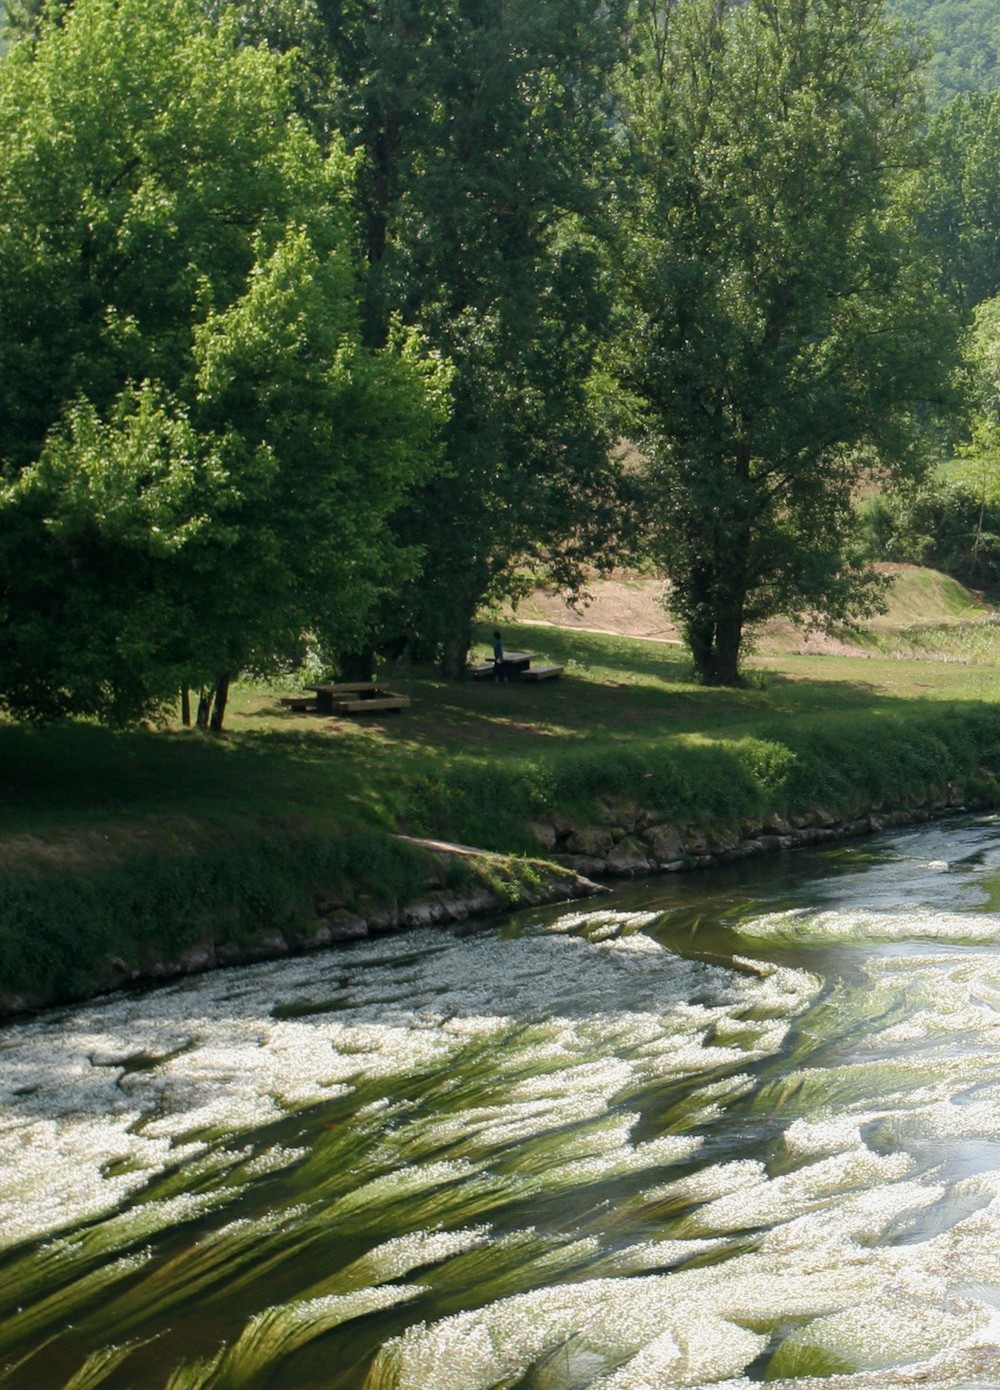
549,672
302,704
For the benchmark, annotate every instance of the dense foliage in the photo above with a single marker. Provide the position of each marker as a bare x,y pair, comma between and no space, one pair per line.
784,326
960,204
951,519
325,322
199,455
950,525
480,181
964,41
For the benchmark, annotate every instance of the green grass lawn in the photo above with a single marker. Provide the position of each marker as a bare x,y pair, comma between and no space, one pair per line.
78,783
87,795
117,844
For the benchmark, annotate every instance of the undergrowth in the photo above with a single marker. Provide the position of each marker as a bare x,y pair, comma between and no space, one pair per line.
843,766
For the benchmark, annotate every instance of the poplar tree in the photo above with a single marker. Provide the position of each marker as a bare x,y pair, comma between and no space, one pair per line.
482,133
785,338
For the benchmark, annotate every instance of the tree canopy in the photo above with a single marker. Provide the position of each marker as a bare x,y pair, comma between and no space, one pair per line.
963,38
199,455
480,131
330,318
960,199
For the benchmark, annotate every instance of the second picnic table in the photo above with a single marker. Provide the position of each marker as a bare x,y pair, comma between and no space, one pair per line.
517,666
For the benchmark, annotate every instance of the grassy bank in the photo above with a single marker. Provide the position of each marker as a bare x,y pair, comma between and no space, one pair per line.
122,850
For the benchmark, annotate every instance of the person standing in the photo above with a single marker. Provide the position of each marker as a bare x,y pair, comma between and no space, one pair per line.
498,671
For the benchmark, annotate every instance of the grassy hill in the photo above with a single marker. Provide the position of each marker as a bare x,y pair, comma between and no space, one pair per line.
929,614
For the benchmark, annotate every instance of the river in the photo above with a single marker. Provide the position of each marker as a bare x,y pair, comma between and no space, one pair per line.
715,1129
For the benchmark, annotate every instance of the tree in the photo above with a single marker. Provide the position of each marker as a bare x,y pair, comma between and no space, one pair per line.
784,337
961,200
479,129
199,456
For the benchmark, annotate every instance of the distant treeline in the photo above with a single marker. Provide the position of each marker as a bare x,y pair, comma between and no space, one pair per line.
965,39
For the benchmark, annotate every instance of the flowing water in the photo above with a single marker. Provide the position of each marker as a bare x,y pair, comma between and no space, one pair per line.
716,1130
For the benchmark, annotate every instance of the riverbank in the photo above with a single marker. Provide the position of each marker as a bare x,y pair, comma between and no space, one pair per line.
134,857
459,884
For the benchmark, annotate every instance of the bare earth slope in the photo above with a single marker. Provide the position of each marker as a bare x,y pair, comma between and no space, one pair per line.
631,605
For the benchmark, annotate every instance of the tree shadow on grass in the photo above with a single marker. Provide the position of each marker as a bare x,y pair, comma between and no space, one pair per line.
586,650
57,772
276,765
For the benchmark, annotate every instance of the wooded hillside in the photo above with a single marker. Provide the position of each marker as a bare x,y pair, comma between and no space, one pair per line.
966,38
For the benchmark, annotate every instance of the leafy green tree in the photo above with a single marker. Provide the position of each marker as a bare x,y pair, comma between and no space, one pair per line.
784,336
961,199
21,18
199,456
951,519
952,525
142,157
480,130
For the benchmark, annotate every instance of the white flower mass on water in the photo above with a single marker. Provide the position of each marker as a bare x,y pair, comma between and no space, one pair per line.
627,1329
98,1101
736,1162
920,922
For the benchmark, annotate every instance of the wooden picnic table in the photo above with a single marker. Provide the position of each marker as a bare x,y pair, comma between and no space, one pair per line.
356,697
516,662
513,664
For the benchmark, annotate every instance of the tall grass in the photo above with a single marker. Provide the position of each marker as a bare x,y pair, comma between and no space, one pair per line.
843,766
62,929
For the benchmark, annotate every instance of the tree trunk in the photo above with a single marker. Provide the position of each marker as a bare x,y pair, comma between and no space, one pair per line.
715,641
186,707
221,697
700,635
728,643
204,707
455,648
357,666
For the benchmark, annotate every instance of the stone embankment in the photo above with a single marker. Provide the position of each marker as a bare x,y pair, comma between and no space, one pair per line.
494,883
633,843
489,883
